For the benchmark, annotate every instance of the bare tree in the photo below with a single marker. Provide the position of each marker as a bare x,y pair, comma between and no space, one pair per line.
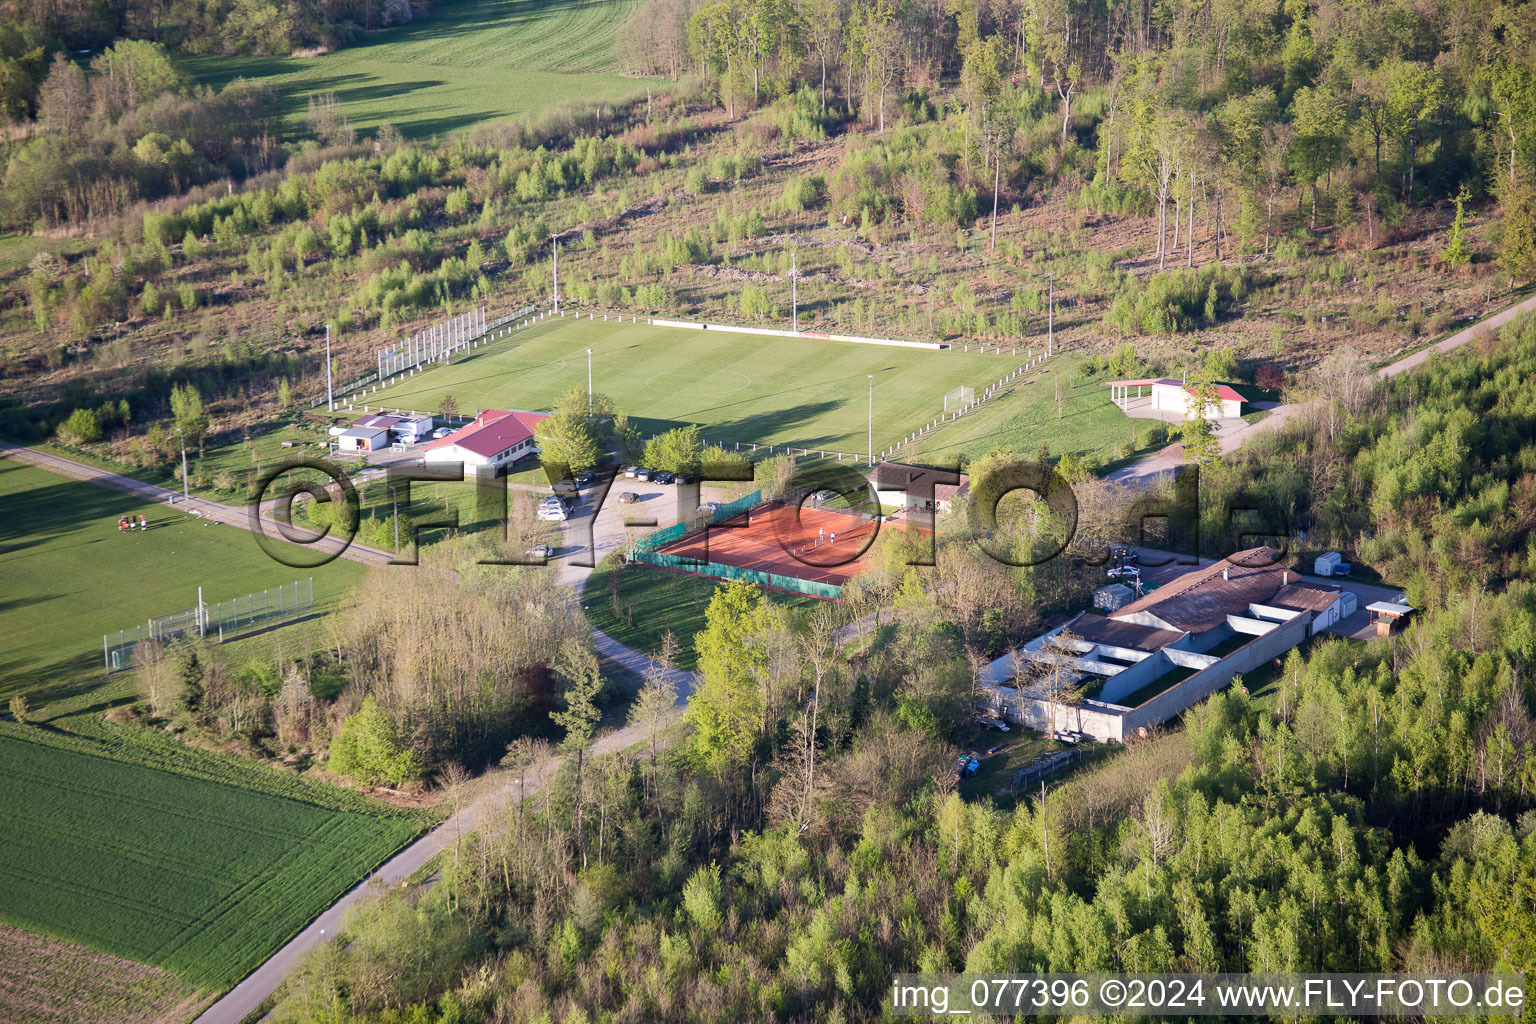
656,704
1276,149
1051,677
1344,378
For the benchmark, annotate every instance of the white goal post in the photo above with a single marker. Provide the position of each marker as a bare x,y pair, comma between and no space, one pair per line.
959,398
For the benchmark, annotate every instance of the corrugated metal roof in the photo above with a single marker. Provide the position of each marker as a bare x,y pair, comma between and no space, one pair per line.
1099,629
1203,598
1305,597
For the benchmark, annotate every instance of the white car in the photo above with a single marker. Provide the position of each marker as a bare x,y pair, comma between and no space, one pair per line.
442,432
554,514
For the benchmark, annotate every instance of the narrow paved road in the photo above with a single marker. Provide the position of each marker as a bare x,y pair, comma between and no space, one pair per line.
1235,433
213,511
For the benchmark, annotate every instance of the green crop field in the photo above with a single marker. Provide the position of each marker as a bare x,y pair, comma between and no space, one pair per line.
736,387
466,62
198,876
71,576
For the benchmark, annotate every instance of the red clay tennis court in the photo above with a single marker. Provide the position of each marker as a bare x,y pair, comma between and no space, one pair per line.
808,543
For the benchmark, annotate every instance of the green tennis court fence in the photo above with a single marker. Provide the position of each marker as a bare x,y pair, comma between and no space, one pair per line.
811,588
662,537
740,505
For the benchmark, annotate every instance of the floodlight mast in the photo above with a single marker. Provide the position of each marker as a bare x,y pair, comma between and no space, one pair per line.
555,242
871,419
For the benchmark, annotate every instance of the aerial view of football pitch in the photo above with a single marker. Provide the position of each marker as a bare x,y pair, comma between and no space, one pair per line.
71,576
742,388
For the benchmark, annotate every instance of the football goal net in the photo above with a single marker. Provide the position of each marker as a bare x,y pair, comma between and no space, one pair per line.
959,398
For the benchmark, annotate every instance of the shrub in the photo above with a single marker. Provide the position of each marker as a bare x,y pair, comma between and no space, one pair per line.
82,427
369,749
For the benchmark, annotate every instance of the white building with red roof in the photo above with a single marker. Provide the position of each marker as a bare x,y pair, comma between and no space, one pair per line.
495,439
1153,397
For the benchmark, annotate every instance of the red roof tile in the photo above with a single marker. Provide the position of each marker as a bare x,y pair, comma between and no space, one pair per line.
492,432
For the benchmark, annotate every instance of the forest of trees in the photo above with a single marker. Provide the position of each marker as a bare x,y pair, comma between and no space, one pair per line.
1371,108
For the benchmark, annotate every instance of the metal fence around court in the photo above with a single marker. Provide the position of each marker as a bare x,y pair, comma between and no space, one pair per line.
219,620
794,584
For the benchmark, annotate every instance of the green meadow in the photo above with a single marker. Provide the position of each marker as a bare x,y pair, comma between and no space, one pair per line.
71,576
464,63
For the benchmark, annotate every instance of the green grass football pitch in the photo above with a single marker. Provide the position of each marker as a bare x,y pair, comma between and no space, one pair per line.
71,576
198,875
736,387
466,62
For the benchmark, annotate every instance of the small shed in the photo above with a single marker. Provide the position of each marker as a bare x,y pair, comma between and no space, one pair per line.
1388,615
363,439
1114,596
1326,563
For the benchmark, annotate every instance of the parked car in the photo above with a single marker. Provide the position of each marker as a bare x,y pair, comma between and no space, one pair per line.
540,551
642,474
684,478
555,499
442,432
566,489
631,472
707,506
554,514
663,477
628,498
583,478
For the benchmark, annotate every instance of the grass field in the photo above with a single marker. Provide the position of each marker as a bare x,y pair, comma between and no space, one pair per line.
70,576
1086,421
202,878
652,601
466,62
735,387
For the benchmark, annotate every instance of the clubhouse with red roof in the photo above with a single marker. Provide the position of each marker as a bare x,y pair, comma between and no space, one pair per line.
493,440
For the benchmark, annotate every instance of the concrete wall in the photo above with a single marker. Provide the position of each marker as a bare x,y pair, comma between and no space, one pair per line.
1090,717
1207,681
770,332
1134,678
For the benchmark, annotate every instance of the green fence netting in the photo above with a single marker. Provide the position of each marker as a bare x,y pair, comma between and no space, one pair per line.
655,540
733,508
734,572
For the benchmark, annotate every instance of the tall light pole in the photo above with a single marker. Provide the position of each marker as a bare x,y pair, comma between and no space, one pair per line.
871,419
396,496
589,382
186,495
794,296
1050,314
555,241
330,403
